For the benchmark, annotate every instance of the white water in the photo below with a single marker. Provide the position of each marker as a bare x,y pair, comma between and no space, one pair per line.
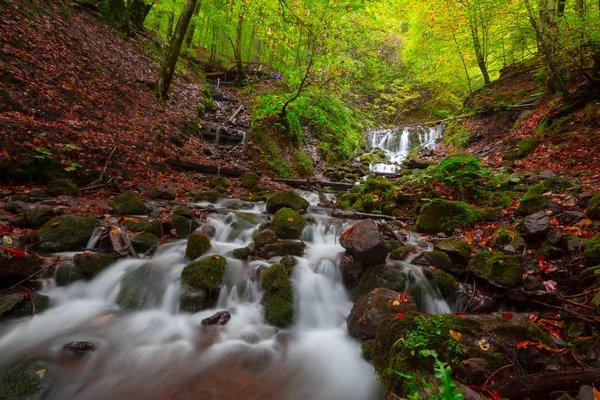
397,144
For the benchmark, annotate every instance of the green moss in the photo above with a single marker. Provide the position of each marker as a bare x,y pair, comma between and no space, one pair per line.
555,184
264,237
435,258
593,206
274,277
401,253
498,199
129,203
249,180
461,163
532,203
592,249
377,183
443,281
526,146
183,211
142,242
220,181
182,226
208,195
367,349
197,245
288,224
59,187
286,200
20,381
282,248
142,288
498,269
90,265
510,156
242,253
65,233
152,226
205,274
279,305
459,251
444,216
501,237
379,276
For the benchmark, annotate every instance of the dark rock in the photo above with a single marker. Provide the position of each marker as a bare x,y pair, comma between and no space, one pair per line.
365,242
535,226
473,371
242,253
483,300
286,200
90,265
129,203
586,393
66,274
532,203
459,251
389,276
162,193
193,300
593,206
58,187
264,237
401,253
549,251
575,245
208,229
529,297
554,236
17,303
370,309
260,270
516,246
17,264
437,259
569,218
80,348
351,269
221,318
197,245
15,207
281,248
142,288
143,242
34,217
38,193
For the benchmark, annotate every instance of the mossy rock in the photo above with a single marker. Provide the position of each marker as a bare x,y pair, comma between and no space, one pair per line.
143,288
532,203
90,265
58,187
459,251
444,216
293,200
459,164
555,184
152,226
510,156
498,199
264,237
34,217
281,248
21,380
206,274
249,180
438,259
197,245
162,193
526,146
443,281
142,242
241,254
274,277
129,203
220,181
278,300
367,349
211,196
377,183
380,276
592,249
194,300
66,233
400,253
288,224
496,268
183,211
501,237
182,226
593,206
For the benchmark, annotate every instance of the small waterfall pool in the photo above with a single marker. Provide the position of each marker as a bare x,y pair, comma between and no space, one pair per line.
160,353
397,143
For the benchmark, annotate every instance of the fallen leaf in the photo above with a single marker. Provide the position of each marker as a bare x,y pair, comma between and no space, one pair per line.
290,219
550,286
400,315
395,303
456,335
507,315
483,344
57,223
7,240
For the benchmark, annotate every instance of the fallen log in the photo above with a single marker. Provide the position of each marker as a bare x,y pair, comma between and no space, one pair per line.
544,382
309,182
206,169
336,213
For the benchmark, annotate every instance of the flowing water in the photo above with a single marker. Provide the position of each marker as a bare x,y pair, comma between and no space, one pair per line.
160,353
398,142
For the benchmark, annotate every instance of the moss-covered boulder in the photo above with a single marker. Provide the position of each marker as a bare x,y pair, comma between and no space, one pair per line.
183,211
351,269
211,196
459,251
437,259
162,193
593,206
142,242
444,216
22,380
502,237
443,281
67,273
264,237
365,242
288,224
592,249
281,248
58,187
34,217
66,233
496,268
278,300
220,182
401,253
526,146
206,274
377,183
249,180
193,300
17,264
372,308
149,225
388,276
129,203
293,200
532,203
241,254
143,288
183,226
90,265
197,245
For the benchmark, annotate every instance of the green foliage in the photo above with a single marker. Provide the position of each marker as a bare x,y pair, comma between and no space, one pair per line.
430,334
444,216
457,136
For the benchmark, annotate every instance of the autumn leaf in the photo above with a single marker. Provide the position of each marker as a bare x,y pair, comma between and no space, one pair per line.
403,297
469,236
456,335
359,320
395,303
507,315
400,315
596,393
290,219
550,286
483,344
57,223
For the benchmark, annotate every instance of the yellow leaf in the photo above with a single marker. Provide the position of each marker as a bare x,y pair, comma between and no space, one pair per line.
469,236
484,345
395,303
41,371
456,335
7,240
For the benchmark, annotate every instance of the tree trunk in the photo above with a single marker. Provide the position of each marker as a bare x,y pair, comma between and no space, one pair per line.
139,12
189,36
479,52
170,20
127,17
462,58
165,75
242,79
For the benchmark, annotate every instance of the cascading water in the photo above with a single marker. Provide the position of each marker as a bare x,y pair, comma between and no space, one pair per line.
398,142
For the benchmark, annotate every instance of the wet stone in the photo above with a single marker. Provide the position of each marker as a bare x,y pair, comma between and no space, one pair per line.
79,348
221,318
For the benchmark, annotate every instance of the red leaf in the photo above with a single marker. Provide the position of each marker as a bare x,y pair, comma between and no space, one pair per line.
55,224
507,315
550,286
460,313
400,316
403,297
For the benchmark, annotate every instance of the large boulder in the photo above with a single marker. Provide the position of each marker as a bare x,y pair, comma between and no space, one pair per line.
18,264
66,233
288,224
143,288
197,245
35,216
365,242
18,303
351,269
444,216
291,200
593,206
149,225
482,301
90,265
162,193
496,268
129,203
374,307
437,259
390,276
459,251
143,242
535,226
22,380
264,237
278,300
202,280
249,180
58,187
281,248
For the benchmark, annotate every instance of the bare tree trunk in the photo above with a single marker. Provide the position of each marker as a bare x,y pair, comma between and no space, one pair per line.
479,52
170,20
242,79
165,75
127,18
462,58
189,36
